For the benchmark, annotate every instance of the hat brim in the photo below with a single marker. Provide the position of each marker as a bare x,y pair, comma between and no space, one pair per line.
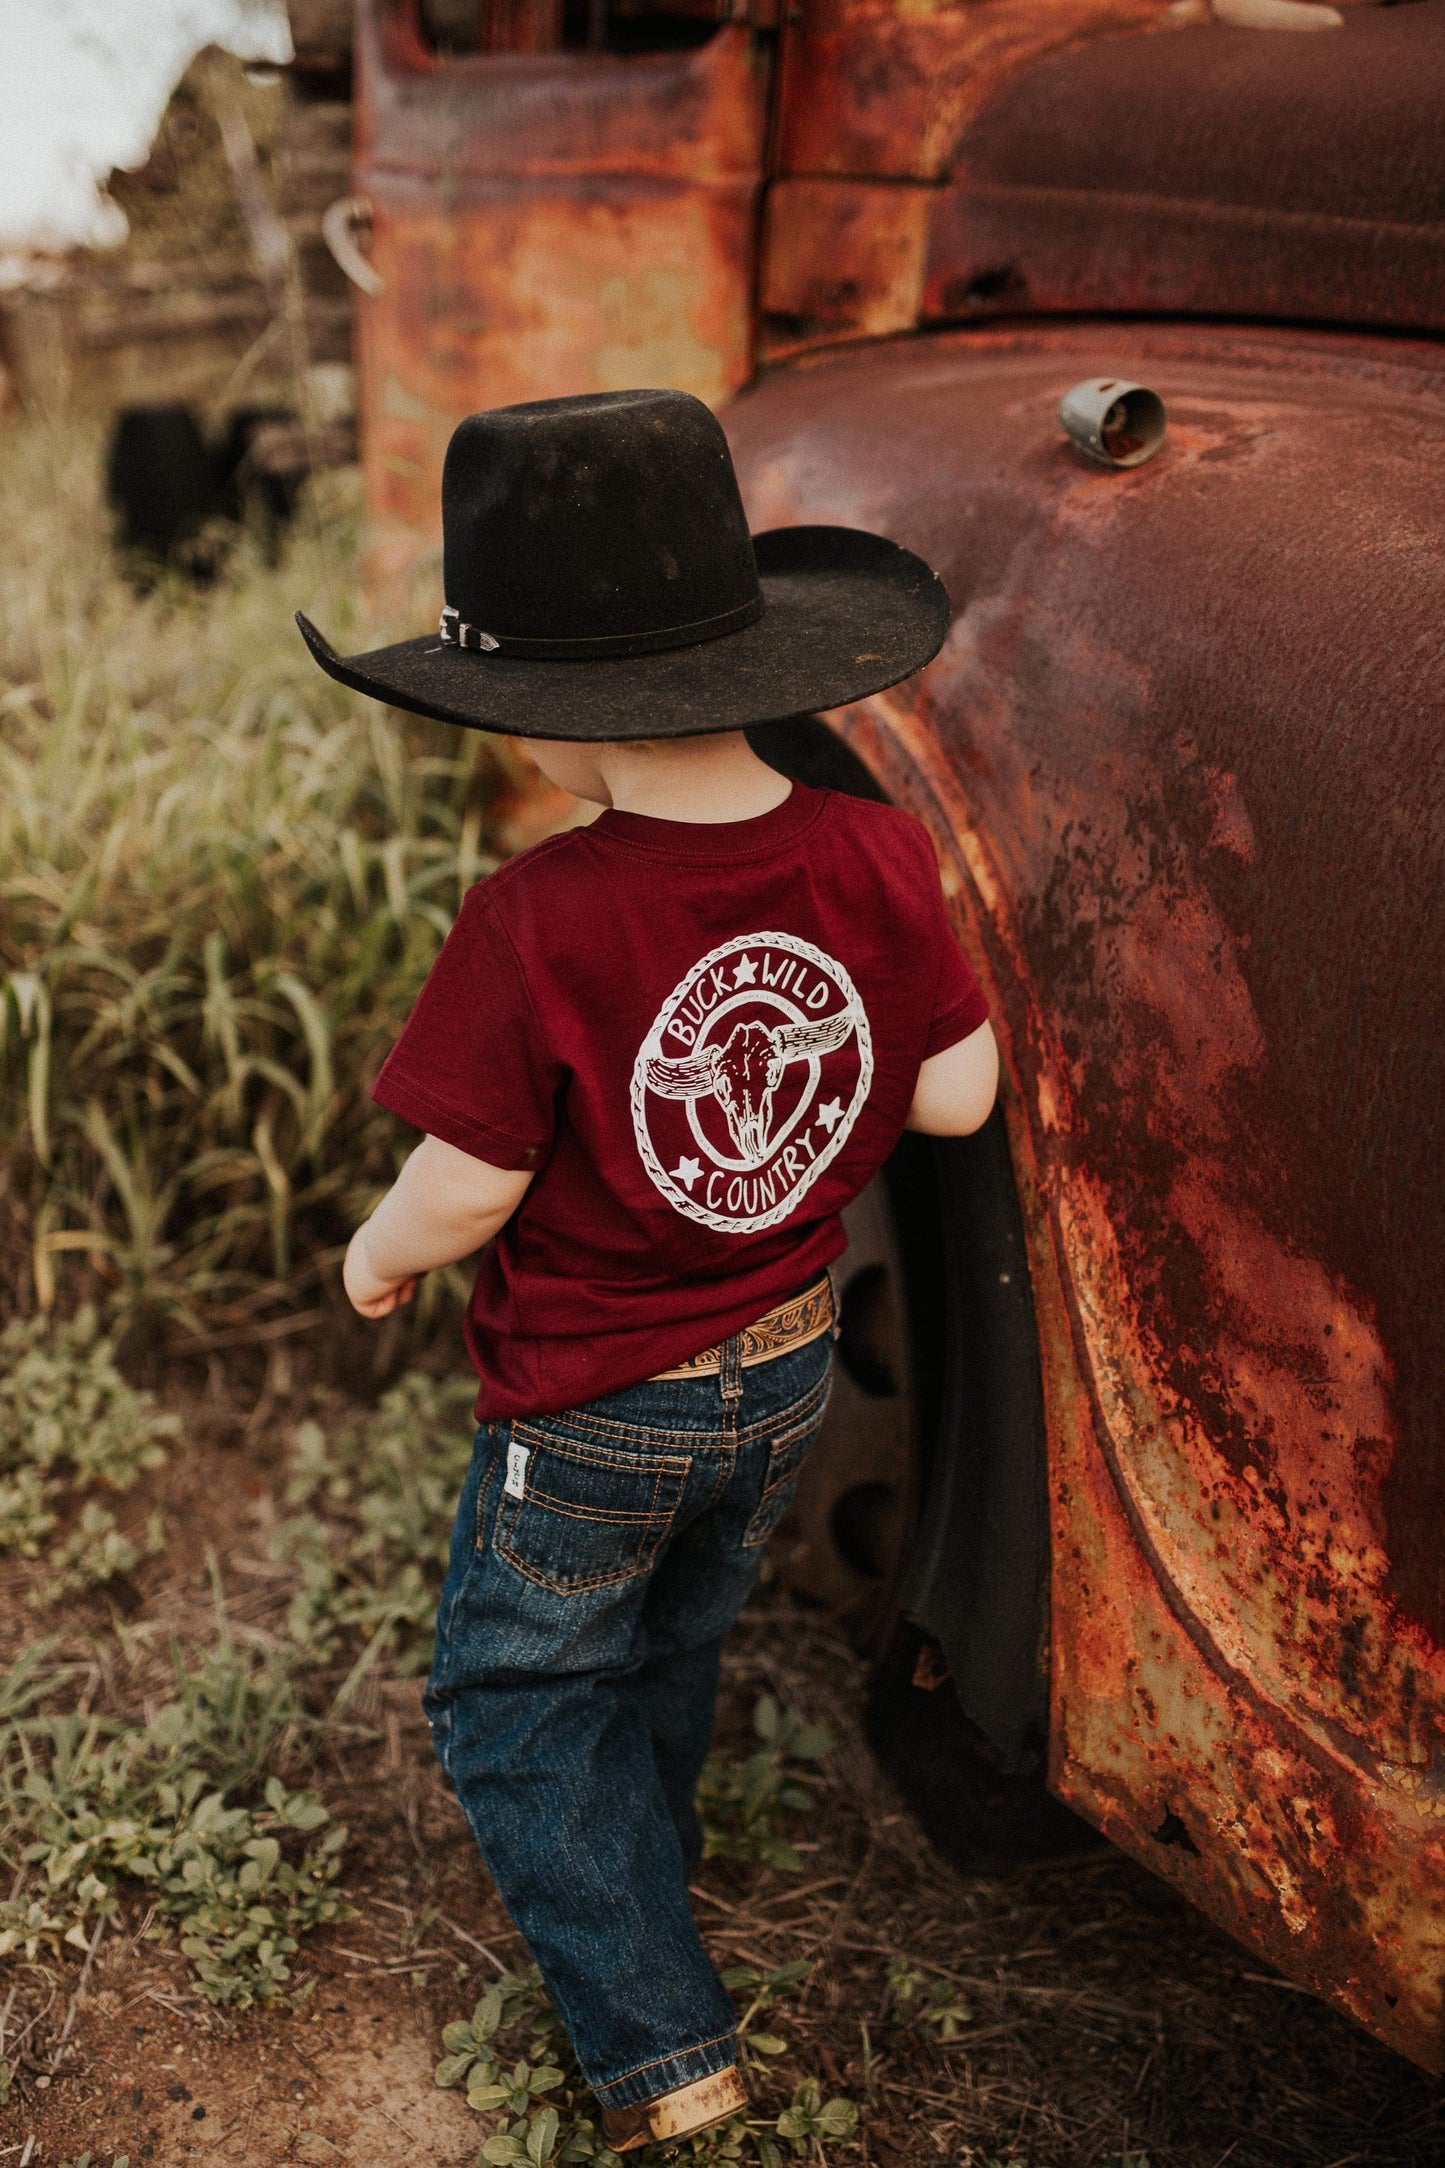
845,614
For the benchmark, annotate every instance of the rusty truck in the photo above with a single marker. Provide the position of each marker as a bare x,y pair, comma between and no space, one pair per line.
1136,1478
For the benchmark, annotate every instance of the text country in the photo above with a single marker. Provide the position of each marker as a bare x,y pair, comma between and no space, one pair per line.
754,1193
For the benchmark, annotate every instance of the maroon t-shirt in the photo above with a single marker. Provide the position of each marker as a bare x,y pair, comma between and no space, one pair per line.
705,1039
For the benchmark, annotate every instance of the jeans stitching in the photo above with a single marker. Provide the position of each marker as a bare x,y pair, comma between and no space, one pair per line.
802,1415
722,1476
568,1511
566,1447
759,1528
651,1527
574,1588
796,1430
762,1524
641,1469
605,1427
677,2056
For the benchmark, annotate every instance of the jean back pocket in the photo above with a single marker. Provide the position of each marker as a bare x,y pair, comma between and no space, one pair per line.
576,1514
788,1448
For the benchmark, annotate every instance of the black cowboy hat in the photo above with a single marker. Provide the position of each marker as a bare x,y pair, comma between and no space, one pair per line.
601,583
607,536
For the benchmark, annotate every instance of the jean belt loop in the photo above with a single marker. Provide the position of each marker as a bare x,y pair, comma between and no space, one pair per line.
730,1371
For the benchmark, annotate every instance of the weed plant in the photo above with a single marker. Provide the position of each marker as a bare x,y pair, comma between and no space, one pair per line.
69,1423
925,2002
378,1491
222,880
515,2060
740,1802
188,1808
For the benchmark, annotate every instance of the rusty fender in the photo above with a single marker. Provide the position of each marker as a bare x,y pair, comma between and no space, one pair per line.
1183,758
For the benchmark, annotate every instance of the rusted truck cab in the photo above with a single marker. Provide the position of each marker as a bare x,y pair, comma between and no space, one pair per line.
1140,1436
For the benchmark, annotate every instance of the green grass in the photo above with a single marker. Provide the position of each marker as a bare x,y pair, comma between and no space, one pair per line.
740,1802
222,881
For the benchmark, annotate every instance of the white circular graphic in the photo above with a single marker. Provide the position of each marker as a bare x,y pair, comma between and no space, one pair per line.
750,1080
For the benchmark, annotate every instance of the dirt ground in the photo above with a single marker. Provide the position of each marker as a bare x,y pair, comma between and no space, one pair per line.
1104,2022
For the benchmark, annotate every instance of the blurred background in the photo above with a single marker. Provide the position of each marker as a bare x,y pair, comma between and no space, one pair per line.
164,168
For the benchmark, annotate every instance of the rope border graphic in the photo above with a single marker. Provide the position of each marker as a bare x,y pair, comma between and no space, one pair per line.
652,1044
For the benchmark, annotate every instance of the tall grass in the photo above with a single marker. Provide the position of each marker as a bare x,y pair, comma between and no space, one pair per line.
222,880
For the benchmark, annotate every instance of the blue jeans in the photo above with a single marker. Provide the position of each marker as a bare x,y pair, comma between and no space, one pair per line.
599,1558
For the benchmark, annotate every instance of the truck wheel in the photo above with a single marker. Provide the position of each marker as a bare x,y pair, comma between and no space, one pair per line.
979,1815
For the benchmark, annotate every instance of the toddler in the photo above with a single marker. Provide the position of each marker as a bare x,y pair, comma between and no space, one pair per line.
653,1061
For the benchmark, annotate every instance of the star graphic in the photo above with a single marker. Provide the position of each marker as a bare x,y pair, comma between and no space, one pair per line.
687,1171
746,972
830,1115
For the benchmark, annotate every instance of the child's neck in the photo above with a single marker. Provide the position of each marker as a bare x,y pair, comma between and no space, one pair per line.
707,779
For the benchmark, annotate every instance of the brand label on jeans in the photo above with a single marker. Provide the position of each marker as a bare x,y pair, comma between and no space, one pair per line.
516,1483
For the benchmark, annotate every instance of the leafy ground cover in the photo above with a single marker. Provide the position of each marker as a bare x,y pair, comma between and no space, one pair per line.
70,1424
187,1806
546,2111
374,1496
1066,2017
182,1815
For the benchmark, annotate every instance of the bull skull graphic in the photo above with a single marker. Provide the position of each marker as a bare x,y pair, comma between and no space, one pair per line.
743,1073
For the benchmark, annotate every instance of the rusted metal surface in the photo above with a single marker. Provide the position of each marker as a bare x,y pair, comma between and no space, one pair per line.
841,260
872,96
543,224
1209,171
1184,761
973,161
872,89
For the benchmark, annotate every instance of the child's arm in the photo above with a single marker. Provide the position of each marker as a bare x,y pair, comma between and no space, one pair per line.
955,1090
442,1206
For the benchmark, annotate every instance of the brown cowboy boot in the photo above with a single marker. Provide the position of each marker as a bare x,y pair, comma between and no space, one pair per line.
671,2117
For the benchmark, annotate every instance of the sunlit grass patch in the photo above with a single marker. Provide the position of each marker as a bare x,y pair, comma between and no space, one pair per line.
222,881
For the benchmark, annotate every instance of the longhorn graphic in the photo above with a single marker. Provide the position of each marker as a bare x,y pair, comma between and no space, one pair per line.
744,1072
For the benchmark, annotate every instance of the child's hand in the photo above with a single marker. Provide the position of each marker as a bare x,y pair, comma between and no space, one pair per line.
366,1290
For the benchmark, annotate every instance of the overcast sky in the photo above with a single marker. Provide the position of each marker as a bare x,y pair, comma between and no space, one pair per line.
83,85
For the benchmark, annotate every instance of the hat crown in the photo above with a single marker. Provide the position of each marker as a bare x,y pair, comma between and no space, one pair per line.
608,524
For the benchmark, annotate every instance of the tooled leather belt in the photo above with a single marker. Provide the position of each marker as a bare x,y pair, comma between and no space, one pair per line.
791,1324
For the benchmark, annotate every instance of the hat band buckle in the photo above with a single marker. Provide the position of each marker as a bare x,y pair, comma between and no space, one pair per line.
453,628
622,645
